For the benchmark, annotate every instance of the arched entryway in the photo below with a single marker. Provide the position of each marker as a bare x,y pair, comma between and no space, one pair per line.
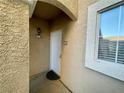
46,38
71,12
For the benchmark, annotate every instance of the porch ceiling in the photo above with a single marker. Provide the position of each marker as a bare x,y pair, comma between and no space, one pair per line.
46,11
68,7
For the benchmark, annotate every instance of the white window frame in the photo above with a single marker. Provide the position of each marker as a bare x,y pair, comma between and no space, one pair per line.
114,70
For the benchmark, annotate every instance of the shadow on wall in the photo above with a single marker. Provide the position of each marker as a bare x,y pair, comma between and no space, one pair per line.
60,22
39,47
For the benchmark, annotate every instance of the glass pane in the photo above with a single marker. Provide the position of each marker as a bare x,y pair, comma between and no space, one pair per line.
120,58
109,23
108,35
107,50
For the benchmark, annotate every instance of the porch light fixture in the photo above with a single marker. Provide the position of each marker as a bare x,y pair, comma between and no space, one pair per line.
38,35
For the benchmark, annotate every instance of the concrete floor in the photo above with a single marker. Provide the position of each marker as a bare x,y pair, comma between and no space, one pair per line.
39,84
52,87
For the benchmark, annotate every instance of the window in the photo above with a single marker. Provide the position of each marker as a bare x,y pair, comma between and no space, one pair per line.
105,38
111,35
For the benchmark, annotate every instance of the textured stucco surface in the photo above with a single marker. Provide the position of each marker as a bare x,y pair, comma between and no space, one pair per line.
72,5
39,47
73,72
14,47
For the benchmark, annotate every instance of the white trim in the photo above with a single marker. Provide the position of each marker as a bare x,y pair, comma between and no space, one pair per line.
119,27
111,69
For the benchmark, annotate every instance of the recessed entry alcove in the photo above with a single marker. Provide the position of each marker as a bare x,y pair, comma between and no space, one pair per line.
47,24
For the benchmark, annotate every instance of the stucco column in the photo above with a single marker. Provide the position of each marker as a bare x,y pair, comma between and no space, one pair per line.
14,46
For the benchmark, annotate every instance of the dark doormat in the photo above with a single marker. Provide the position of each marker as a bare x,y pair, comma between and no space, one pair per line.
51,75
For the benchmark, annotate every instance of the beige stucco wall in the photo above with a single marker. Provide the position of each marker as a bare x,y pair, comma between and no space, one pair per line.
73,72
71,5
39,48
14,47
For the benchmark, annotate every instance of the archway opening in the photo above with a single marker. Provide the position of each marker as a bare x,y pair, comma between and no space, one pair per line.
44,34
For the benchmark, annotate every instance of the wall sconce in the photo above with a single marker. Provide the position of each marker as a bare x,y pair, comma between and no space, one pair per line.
65,42
38,35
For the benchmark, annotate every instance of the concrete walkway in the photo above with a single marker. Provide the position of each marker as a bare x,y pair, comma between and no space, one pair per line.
52,87
39,84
